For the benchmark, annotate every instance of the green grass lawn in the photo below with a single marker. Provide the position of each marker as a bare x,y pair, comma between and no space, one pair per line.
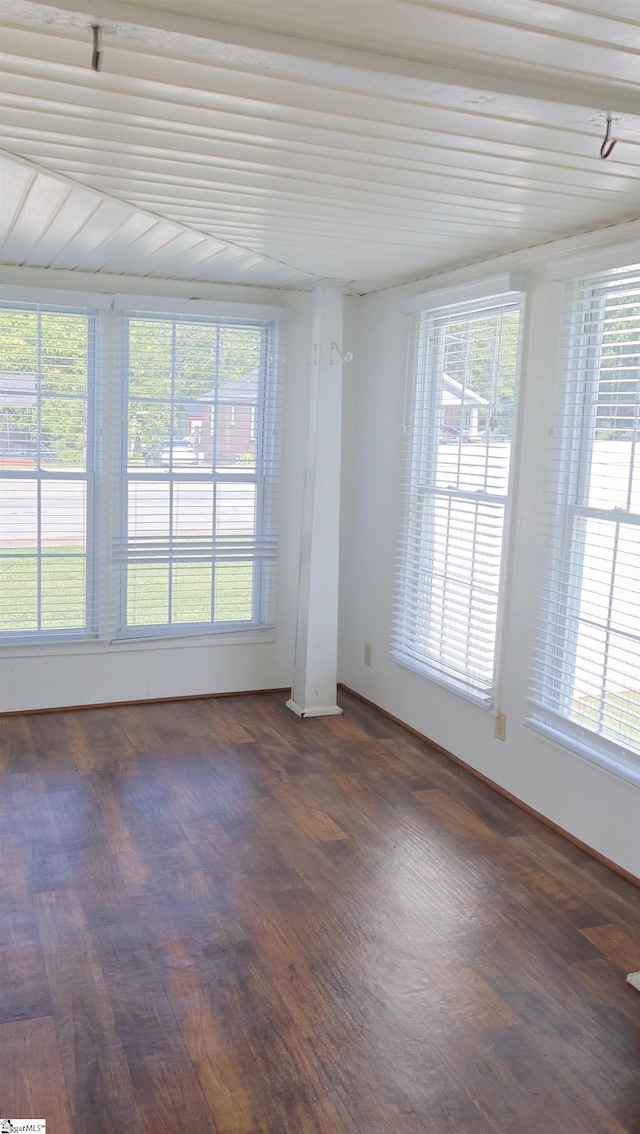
621,719
149,594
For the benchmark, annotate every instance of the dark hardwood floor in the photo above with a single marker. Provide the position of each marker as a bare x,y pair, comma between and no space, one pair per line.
219,918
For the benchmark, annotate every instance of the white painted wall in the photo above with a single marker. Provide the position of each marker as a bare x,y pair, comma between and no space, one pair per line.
93,673
592,804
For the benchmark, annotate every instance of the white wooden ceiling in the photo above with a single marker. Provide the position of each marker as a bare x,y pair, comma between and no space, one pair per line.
366,140
50,222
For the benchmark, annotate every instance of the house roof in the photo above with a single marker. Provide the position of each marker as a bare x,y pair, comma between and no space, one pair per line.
455,394
244,389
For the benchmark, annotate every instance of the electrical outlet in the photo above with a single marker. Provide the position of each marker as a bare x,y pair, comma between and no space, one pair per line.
501,726
367,653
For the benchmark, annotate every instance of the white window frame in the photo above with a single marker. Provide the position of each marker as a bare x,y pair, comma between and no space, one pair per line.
507,286
90,630
550,704
103,518
264,477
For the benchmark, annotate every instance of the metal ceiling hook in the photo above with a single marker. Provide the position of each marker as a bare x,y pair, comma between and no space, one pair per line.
96,55
607,145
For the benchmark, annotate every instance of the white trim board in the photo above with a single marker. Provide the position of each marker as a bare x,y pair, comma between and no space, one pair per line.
438,295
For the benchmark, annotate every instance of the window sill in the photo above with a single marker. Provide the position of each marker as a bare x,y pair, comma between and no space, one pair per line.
125,645
601,760
482,700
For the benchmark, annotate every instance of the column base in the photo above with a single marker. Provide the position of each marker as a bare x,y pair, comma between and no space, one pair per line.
328,711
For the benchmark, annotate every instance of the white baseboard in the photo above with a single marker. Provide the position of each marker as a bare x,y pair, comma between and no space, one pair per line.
325,711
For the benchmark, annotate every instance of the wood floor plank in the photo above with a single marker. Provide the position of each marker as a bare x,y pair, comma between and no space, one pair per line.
162,1072
351,1013
24,989
219,918
553,854
616,945
18,752
602,984
32,1082
94,1063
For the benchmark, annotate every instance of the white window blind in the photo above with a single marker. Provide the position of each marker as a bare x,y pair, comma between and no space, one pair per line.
47,386
197,543
464,365
586,688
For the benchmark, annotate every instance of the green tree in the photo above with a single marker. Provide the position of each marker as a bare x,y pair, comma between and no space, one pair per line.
53,349
618,390
482,354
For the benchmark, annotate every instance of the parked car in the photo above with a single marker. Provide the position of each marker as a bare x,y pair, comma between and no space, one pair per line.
180,452
448,433
183,454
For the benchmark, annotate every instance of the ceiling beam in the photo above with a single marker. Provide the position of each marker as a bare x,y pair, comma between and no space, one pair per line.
506,93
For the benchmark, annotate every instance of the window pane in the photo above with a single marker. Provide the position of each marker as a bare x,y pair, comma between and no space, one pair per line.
621,708
235,508
240,352
610,473
47,363
182,453
195,416
18,514
588,674
150,358
234,592
149,516
191,592
480,359
18,342
18,591
197,360
625,604
18,422
63,591
193,512
462,586
147,594
456,485
473,466
63,434
149,434
55,584
63,359
63,508
64,515
236,422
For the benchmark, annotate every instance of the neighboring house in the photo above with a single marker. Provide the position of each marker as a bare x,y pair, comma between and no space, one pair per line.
460,407
226,417
17,423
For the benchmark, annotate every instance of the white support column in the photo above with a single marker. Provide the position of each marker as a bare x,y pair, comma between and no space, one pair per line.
316,660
